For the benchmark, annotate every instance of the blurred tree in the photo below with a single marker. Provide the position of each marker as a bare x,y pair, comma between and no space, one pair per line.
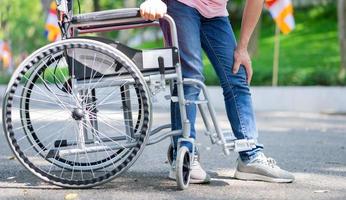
342,35
96,4
130,3
46,4
22,23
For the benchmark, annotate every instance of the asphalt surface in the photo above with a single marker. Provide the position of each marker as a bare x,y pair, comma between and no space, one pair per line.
311,145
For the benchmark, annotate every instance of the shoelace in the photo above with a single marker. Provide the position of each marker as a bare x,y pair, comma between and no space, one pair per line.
267,161
271,162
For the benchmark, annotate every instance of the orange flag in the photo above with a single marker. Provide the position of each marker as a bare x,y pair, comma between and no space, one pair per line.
5,54
282,13
52,28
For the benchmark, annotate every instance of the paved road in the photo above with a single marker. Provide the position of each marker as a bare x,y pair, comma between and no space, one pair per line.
312,146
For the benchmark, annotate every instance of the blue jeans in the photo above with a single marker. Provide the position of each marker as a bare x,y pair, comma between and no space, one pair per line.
215,36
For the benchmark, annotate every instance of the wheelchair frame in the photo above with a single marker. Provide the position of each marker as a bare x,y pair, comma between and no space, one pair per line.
138,22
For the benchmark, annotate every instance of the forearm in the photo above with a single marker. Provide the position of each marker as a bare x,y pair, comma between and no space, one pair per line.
251,15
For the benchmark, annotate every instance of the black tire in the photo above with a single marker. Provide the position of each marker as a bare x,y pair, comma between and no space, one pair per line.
170,154
183,167
104,157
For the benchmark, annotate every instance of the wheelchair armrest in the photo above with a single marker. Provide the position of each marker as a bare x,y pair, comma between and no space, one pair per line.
107,15
118,19
110,20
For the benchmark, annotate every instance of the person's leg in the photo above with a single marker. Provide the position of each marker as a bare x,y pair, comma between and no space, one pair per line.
188,28
219,43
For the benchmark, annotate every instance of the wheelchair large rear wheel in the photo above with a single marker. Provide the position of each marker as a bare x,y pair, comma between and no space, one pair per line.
77,113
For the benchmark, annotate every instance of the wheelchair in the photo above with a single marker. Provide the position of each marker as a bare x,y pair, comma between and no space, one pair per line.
78,112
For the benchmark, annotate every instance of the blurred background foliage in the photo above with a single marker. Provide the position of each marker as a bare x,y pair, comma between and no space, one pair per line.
310,55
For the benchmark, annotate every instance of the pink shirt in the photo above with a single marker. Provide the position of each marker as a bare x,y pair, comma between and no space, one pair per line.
208,8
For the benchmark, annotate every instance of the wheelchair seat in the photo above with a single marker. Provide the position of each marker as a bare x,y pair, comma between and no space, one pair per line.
147,61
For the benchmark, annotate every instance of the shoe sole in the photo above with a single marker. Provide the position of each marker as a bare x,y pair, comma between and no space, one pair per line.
257,177
192,181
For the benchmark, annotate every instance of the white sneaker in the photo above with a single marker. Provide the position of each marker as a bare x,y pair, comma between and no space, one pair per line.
197,175
262,169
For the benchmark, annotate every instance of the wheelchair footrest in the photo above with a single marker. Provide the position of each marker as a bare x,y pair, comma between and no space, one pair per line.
240,145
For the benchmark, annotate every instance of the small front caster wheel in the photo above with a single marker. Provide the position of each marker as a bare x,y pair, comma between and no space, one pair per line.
170,152
183,167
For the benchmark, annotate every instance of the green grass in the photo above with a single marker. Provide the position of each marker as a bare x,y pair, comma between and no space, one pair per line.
50,76
4,78
308,56
59,75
